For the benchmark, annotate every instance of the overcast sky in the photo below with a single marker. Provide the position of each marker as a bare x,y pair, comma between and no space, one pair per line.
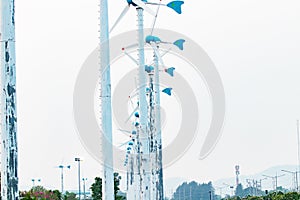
254,44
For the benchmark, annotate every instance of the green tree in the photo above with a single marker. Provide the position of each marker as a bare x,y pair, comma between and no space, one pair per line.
97,188
194,191
70,196
40,193
117,180
291,196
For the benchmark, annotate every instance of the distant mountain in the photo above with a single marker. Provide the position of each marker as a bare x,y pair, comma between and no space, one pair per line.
285,180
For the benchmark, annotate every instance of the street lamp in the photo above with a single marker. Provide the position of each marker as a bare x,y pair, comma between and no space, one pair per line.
62,176
78,160
274,180
295,178
231,187
84,179
33,180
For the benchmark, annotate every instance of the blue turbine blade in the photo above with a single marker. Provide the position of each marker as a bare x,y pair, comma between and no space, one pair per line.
170,71
179,43
176,6
167,91
151,38
149,69
130,143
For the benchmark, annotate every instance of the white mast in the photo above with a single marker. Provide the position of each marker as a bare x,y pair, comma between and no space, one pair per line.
9,148
144,137
106,116
160,186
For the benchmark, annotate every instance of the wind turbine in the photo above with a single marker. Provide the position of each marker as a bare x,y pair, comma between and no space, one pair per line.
155,112
142,188
174,5
154,120
9,145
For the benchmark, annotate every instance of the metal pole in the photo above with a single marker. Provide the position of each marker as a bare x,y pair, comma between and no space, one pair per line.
62,180
106,110
294,178
297,186
158,128
9,147
84,196
143,109
79,180
276,182
298,144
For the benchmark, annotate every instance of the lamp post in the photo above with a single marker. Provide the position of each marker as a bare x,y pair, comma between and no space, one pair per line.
79,193
295,178
33,181
231,187
62,176
274,180
83,180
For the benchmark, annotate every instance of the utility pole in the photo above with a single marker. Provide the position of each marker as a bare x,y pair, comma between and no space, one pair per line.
274,180
294,178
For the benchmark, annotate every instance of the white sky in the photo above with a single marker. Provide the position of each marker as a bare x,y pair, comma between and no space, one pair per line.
255,45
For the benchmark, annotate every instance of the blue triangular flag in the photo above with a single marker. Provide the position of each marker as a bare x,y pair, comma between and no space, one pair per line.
167,91
170,71
176,6
179,43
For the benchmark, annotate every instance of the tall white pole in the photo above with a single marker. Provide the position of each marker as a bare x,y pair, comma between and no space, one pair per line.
106,110
79,187
144,139
160,186
9,148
